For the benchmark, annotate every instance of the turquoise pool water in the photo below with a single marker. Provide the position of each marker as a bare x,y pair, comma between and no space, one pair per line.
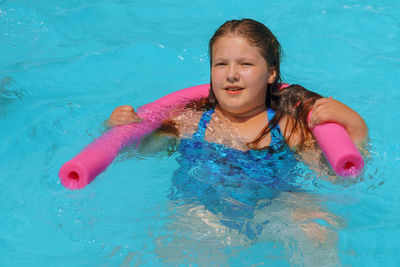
65,65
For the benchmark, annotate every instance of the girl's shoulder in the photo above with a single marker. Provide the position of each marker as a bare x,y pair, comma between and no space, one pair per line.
292,138
187,121
297,138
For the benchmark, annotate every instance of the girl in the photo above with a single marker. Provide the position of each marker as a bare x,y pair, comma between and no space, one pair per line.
244,96
236,145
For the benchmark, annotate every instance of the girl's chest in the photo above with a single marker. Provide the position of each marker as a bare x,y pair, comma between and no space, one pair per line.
236,136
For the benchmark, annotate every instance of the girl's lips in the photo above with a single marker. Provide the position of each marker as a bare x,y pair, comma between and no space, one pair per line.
234,90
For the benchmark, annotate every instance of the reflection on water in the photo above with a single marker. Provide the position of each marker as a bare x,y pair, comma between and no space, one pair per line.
300,229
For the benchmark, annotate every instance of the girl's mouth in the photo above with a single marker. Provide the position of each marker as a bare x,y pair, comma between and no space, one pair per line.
234,90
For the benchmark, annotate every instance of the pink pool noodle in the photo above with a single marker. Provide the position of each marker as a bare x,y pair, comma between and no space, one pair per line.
93,159
339,149
333,139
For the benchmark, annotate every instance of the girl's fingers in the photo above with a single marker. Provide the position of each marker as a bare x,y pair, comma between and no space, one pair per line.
321,102
318,117
313,121
327,110
127,118
126,108
123,115
319,111
123,121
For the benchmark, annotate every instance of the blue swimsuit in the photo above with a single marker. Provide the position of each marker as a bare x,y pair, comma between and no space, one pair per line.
228,181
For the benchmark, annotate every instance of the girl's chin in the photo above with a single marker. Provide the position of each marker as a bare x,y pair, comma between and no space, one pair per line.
234,110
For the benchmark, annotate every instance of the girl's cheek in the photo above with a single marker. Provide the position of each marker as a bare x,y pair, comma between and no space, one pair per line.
216,76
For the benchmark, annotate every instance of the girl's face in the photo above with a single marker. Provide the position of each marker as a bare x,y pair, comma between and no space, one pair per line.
239,76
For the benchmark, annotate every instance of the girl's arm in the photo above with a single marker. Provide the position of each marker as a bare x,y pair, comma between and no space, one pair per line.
324,110
150,144
331,110
293,108
184,123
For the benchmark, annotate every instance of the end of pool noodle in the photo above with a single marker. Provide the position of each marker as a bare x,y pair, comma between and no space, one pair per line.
338,148
95,158
78,172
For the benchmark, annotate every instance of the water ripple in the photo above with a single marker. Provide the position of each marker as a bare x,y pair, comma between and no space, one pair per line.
9,93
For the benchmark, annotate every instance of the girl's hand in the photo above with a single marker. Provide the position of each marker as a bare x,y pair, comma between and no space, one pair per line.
331,110
123,115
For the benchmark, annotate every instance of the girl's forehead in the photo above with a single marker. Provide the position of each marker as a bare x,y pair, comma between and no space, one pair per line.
230,38
228,44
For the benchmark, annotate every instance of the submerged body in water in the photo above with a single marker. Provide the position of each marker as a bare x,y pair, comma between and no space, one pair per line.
223,197
230,182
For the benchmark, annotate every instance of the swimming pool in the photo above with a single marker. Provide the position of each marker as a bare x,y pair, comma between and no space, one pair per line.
65,65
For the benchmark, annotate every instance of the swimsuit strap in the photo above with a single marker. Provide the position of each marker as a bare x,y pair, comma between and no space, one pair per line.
276,135
205,119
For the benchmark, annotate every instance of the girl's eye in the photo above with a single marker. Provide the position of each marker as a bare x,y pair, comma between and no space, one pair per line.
247,64
220,64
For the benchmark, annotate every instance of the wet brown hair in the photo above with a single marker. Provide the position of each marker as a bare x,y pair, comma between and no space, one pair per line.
294,102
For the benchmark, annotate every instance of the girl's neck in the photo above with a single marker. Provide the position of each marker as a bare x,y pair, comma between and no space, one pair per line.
240,130
251,116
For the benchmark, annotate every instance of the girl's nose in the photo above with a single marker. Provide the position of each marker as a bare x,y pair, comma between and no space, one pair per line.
232,75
